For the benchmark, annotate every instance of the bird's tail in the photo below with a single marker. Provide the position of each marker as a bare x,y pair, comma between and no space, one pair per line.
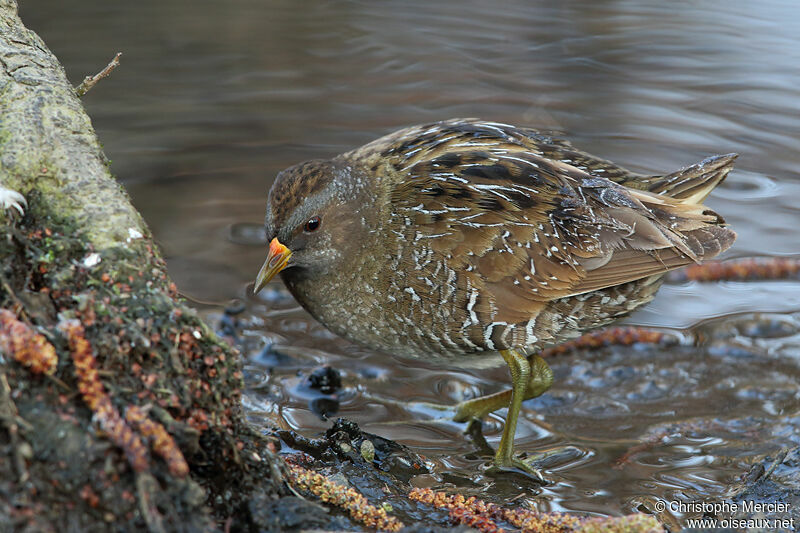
694,183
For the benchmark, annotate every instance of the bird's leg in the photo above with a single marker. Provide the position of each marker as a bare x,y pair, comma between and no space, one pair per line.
520,373
529,379
478,408
541,378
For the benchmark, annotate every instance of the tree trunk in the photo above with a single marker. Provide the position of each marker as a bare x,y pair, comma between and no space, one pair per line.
138,423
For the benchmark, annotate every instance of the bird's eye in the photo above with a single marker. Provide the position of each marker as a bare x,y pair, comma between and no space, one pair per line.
313,224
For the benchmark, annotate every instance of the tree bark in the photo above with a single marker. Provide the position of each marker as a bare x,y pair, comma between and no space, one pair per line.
142,391
48,143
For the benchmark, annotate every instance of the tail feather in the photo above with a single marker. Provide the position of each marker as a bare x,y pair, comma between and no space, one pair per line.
695,230
694,183
710,241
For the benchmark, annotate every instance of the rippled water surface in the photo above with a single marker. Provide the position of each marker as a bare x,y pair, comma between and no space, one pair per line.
214,98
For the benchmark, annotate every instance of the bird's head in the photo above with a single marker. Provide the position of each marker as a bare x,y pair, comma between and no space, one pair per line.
314,217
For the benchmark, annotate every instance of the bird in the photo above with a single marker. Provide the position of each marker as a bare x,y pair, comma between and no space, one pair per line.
470,242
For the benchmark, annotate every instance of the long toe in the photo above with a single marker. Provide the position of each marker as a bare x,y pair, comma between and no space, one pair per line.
478,408
521,466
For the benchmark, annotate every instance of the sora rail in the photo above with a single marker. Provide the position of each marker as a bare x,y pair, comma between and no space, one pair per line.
466,240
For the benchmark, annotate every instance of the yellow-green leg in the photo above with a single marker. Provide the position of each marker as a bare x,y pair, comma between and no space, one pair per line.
541,378
529,379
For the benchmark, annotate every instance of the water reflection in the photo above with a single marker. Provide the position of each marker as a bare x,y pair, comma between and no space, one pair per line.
211,102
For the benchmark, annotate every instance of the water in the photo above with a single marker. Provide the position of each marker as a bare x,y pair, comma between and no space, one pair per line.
212,101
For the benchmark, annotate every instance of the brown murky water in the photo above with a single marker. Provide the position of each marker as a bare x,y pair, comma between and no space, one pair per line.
213,99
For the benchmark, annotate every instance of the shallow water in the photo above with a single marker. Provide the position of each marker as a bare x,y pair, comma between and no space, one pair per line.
211,102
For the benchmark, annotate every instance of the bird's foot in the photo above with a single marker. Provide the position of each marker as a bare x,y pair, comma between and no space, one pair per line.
533,465
523,466
434,411
12,200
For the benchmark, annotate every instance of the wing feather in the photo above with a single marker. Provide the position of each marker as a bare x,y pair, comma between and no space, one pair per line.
489,199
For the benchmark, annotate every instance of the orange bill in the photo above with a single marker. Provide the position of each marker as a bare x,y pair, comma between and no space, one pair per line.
277,259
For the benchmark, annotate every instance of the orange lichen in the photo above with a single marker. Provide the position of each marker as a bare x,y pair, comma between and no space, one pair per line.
484,516
28,348
345,498
162,442
749,269
98,400
622,336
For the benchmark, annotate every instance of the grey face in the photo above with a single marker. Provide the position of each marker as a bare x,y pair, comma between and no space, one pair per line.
313,210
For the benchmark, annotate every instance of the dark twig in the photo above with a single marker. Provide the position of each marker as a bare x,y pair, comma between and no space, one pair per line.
90,81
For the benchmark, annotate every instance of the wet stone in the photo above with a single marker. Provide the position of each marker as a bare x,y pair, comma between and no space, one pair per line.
340,479
725,349
235,307
649,390
390,456
457,390
255,378
621,373
325,379
229,326
555,399
274,294
370,372
425,481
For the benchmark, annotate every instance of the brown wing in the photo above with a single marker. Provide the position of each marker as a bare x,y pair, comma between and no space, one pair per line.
414,144
531,229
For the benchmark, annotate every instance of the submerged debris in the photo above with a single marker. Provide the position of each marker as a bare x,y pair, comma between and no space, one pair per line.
747,269
621,336
661,435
